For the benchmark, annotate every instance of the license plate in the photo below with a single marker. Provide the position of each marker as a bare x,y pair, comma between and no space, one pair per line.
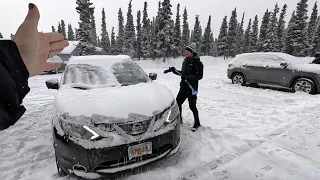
139,150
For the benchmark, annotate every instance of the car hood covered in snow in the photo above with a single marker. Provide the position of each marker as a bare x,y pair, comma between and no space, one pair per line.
145,99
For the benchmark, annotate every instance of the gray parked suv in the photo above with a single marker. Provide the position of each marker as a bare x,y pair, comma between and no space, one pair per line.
278,69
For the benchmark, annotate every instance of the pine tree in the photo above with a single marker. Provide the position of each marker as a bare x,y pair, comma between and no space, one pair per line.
299,34
223,38
139,36
93,27
192,36
84,31
113,45
53,29
232,34
270,43
240,37
99,42
130,33
312,26
247,38
281,29
146,28
177,34
63,29
197,33
105,41
165,31
185,39
121,34
316,42
214,49
1,36
76,34
70,33
263,30
289,39
59,28
154,52
254,35
208,40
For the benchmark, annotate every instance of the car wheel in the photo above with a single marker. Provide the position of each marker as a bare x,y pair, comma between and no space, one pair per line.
304,85
61,172
238,78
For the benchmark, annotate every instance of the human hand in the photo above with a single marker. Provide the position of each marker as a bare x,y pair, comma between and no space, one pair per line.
34,47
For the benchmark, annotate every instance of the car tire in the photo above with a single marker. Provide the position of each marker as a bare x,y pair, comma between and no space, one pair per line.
238,78
61,172
304,85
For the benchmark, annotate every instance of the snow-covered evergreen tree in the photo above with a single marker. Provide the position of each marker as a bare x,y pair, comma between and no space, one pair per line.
105,40
71,36
99,42
208,40
240,37
289,39
130,33
165,33
223,38
254,35
232,34
76,34
177,35
263,30
270,43
1,36
113,45
312,26
247,38
281,29
146,28
84,31
316,42
139,36
185,39
197,34
154,52
121,34
63,29
214,49
299,34
53,29
192,36
59,28
93,27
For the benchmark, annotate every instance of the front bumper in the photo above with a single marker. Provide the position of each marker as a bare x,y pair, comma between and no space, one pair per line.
111,161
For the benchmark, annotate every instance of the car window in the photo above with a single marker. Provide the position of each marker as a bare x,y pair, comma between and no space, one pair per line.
129,73
86,75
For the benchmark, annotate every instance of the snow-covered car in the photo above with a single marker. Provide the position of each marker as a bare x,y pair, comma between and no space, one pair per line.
278,69
111,117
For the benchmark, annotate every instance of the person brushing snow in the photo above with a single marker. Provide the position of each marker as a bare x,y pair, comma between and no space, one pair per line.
191,73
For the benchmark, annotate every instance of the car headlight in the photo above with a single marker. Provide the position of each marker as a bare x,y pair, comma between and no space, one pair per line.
173,113
79,131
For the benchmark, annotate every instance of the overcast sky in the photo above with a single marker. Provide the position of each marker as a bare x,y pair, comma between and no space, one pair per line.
12,12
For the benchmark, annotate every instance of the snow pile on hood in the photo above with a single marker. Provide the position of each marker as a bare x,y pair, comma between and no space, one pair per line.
145,99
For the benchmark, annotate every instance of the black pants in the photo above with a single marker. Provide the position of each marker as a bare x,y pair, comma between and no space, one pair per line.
181,98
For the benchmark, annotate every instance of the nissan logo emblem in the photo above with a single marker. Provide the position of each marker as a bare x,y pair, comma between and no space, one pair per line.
137,128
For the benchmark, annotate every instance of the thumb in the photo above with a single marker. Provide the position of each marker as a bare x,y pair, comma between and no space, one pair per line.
33,15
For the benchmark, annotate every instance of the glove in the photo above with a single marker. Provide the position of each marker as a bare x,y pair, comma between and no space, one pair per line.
172,69
183,77
167,71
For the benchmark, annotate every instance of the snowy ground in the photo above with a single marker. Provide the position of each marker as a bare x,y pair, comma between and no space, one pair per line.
248,133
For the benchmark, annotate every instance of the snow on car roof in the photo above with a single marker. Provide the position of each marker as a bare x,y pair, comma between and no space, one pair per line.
104,61
283,56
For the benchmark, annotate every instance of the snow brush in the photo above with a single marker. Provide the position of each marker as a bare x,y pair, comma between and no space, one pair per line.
193,91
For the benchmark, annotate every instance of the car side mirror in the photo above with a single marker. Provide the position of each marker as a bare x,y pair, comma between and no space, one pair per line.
284,64
53,84
153,76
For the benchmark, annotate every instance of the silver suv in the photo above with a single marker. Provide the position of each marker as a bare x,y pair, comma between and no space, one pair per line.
278,69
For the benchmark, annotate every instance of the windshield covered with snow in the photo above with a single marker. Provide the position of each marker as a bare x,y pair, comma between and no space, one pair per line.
89,76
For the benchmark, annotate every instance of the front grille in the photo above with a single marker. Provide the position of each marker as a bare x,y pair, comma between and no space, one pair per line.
135,129
124,161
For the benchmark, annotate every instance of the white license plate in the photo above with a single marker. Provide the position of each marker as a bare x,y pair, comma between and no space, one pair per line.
139,150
